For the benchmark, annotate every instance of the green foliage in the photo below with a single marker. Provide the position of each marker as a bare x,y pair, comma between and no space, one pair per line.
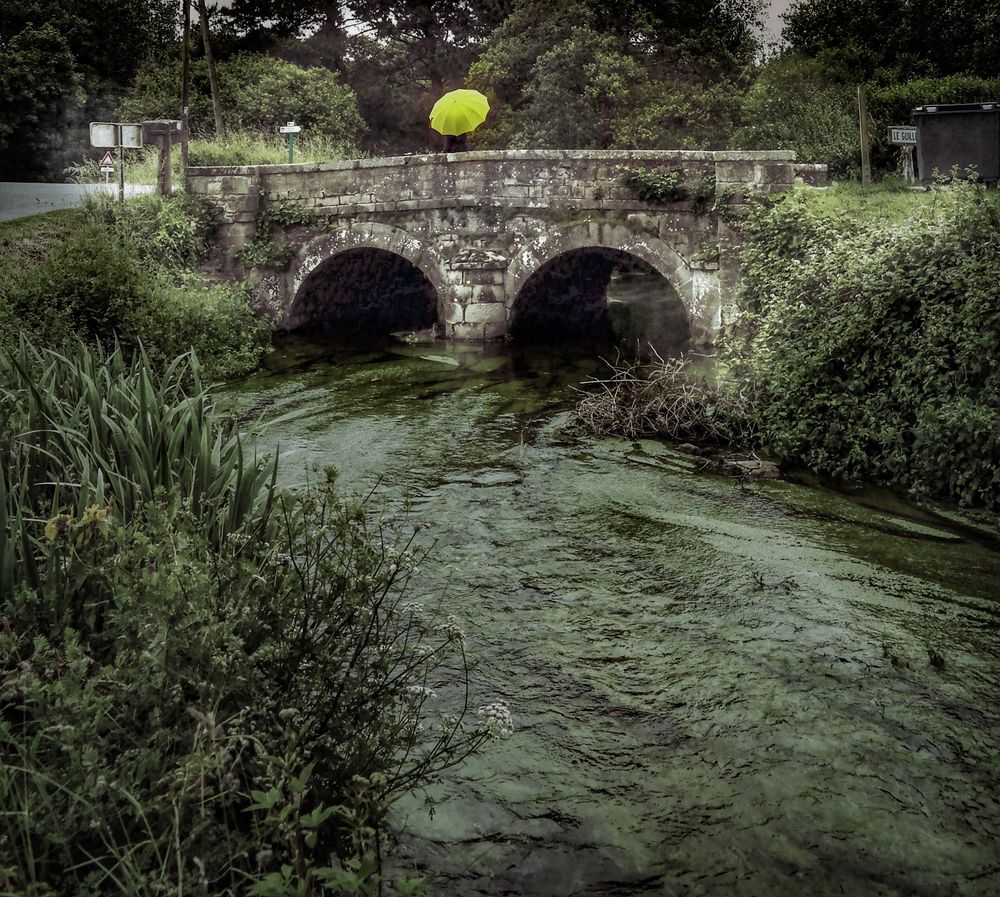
177,232
566,75
206,685
897,39
258,93
656,186
874,339
669,186
266,252
681,110
796,103
124,274
58,69
39,88
576,91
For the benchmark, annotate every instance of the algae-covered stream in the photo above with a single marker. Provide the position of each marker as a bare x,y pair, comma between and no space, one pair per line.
717,690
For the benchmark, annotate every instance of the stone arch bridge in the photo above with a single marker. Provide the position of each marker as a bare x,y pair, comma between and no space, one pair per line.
478,226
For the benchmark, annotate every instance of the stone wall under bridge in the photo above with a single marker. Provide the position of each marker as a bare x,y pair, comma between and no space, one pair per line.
478,225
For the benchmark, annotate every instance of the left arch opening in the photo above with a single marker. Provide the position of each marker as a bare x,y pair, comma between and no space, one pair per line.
365,294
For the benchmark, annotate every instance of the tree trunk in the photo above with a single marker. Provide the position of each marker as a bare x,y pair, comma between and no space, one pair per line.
213,78
185,82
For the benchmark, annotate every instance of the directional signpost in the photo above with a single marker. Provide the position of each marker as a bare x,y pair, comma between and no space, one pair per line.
904,136
291,129
162,133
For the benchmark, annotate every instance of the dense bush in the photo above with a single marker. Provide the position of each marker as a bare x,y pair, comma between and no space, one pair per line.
207,685
258,94
796,103
125,274
875,340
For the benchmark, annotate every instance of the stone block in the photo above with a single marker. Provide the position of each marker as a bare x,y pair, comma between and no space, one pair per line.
479,259
453,313
483,313
734,171
814,174
235,184
471,332
484,278
495,330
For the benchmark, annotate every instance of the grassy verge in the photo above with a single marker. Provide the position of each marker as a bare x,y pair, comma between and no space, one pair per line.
867,346
127,272
240,148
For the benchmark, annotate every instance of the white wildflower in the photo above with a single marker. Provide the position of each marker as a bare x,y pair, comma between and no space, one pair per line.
496,720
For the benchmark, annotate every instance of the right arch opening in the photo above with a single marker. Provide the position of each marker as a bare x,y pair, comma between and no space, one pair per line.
601,295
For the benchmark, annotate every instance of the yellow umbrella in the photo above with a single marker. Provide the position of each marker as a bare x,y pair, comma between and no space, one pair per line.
459,112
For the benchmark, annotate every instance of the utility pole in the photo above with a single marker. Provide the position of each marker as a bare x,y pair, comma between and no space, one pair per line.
866,161
213,79
185,82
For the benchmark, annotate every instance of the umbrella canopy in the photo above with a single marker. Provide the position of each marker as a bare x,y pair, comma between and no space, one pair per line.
459,112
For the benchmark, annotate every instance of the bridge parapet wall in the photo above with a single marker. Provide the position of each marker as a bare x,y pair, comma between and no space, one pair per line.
475,214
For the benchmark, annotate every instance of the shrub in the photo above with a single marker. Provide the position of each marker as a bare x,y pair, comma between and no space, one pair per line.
797,104
875,341
124,274
207,685
258,93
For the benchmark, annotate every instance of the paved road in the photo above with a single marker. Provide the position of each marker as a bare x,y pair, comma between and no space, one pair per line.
21,200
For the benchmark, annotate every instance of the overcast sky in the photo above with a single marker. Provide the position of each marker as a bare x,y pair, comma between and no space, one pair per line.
777,7
774,22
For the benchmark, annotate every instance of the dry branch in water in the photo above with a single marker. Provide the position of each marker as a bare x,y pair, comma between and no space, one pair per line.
662,399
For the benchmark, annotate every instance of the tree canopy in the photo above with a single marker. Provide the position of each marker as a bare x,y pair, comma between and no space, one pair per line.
898,39
58,68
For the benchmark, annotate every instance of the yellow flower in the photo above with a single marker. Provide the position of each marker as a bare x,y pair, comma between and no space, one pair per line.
95,514
57,526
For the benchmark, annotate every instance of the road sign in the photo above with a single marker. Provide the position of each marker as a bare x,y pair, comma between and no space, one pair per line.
109,133
902,135
103,133
107,159
155,131
132,136
290,128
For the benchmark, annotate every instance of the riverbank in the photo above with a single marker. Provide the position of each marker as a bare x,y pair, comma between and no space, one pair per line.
866,346
110,272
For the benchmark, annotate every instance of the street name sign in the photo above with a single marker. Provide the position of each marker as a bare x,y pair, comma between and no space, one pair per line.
290,128
902,135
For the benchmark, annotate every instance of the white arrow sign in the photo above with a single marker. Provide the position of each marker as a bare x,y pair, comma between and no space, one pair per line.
290,128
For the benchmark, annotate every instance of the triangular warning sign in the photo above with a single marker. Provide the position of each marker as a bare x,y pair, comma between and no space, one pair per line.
107,160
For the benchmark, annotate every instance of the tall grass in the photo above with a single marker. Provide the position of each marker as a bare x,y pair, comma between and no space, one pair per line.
207,685
238,148
120,435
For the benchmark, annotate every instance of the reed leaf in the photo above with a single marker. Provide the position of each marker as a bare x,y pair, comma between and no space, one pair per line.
91,427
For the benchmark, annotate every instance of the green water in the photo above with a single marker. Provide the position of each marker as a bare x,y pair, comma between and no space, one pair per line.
716,690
